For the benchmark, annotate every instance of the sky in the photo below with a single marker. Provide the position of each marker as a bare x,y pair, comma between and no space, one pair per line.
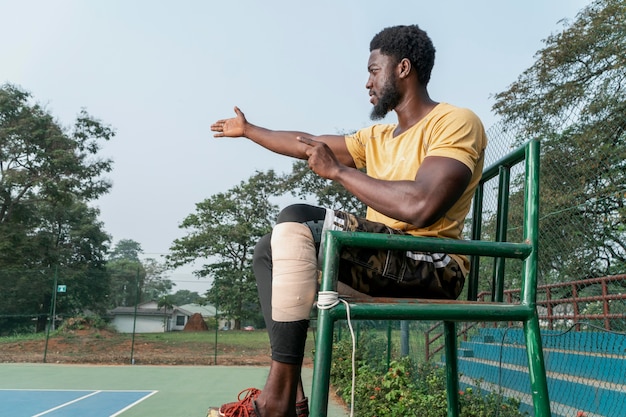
160,72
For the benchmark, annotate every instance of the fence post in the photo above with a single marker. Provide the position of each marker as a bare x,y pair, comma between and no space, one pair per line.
388,344
132,345
217,325
605,305
404,338
576,309
52,312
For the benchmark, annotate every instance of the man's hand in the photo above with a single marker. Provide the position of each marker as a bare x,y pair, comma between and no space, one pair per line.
321,158
232,128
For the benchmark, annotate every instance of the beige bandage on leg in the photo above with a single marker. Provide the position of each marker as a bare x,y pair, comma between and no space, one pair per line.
294,272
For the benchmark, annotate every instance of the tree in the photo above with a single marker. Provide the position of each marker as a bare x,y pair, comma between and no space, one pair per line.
40,161
48,175
69,244
133,280
165,303
573,99
127,274
222,233
126,249
156,284
182,297
73,239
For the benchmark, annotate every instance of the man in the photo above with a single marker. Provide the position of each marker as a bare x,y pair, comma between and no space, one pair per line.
421,175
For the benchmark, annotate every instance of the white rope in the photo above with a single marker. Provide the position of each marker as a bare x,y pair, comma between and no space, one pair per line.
325,301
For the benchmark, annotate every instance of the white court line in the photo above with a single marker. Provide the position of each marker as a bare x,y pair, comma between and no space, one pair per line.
44,389
66,404
133,404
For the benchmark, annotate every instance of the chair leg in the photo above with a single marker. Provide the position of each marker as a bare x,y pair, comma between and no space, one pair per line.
537,370
322,364
452,370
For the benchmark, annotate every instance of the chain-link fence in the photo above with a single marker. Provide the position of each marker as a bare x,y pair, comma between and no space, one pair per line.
581,299
582,253
582,281
95,339
41,321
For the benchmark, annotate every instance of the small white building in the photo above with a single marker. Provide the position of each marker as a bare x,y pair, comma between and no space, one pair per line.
149,318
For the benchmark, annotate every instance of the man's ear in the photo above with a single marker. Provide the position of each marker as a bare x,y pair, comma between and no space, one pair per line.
404,68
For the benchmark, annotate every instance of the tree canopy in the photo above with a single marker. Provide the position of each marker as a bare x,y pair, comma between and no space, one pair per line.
182,297
134,280
48,175
221,234
573,98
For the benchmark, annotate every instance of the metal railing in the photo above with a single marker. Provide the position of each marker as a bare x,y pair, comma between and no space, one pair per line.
557,304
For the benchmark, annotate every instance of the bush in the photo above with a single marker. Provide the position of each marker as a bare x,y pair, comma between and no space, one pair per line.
406,389
83,323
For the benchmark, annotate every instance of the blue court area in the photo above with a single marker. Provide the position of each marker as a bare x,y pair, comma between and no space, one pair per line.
54,390
68,403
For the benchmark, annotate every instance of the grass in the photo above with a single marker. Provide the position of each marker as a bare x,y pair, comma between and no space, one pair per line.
231,337
173,348
22,337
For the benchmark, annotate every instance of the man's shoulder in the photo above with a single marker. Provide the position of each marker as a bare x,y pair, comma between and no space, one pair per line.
453,117
446,109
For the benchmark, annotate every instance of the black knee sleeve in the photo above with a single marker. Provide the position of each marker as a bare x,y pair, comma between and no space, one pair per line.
289,341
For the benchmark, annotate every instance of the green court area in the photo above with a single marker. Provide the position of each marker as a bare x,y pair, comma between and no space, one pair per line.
182,391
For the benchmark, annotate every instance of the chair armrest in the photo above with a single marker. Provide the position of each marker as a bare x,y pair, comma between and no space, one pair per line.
335,240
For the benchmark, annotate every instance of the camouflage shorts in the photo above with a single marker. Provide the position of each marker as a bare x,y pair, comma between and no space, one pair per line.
393,273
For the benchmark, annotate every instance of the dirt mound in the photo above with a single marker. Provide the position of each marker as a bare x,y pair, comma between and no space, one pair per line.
196,324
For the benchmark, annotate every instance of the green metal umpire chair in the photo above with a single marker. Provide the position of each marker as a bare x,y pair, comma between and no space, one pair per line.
450,312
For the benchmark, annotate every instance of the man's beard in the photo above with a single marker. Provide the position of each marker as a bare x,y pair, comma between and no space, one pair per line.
388,100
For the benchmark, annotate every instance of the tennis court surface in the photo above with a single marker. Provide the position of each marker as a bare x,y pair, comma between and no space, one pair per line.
56,390
69,403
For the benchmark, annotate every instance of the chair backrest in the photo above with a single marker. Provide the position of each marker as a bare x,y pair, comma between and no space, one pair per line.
501,171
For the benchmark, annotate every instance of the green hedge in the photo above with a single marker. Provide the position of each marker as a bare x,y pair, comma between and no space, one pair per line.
405,388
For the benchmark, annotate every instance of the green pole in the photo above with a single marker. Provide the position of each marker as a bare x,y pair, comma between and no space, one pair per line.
51,315
452,368
132,345
388,344
217,328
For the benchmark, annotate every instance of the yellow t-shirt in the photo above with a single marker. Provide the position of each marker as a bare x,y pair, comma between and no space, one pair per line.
446,131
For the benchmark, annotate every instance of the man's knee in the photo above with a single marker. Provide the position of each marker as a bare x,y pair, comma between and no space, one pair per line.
294,282
300,213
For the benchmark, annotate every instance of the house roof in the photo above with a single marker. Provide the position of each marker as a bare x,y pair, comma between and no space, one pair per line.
148,309
204,310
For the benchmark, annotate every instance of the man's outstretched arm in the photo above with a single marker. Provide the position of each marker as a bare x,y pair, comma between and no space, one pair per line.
281,142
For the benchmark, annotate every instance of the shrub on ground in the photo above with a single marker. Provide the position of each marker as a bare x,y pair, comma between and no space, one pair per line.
406,388
83,322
